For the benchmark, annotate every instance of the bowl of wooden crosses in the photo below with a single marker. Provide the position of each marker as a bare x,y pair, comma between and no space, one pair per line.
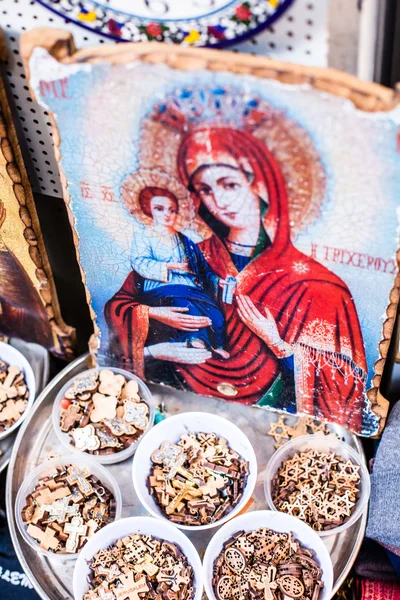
103,412
195,469
17,389
63,502
138,555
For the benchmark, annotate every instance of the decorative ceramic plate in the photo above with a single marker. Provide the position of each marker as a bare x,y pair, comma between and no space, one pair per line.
191,22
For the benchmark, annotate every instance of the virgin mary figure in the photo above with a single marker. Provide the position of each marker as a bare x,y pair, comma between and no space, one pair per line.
294,337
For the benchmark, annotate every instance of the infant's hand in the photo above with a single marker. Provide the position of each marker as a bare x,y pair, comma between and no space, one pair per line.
179,267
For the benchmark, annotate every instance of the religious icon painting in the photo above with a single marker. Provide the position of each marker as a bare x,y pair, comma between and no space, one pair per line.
187,22
237,234
29,307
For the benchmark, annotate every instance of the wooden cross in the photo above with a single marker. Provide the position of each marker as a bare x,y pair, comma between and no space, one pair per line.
135,551
147,566
174,579
12,410
239,589
104,593
59,510
99,512
75,529
187,491
79,476
267,583
111,573
212,486
46,496
7,390
70,416
130,589
46,538
176,467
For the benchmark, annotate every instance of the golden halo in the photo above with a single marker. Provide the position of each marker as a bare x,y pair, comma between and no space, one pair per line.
291,144
135,183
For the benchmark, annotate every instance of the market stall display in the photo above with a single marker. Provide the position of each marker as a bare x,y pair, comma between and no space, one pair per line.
55,584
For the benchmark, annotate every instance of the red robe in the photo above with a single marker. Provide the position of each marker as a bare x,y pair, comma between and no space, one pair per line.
313,308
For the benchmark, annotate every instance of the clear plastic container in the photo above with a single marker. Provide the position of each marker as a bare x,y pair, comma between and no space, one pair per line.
39,472
105,459
171,429
276,521
144,526
12,356
322,443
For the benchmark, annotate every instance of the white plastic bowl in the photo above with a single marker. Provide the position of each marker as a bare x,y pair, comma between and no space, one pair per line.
13,357
144,526
276,521
105,459
32,479
171,429
322,443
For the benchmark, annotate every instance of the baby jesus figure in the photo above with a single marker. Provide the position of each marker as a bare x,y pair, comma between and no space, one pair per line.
175,273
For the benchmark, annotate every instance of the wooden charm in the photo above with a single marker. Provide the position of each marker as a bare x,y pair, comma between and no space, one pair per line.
75,530
136,414
119,427
47,538
80,476
291,586
235,560
70,416
104,407
85,438
110,383
130,588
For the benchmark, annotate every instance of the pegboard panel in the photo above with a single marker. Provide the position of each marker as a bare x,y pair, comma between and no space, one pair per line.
300,35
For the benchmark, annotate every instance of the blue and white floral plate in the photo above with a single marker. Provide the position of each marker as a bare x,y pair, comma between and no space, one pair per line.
215,23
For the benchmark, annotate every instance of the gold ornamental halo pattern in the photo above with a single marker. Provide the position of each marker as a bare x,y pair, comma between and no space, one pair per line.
291,145
135,183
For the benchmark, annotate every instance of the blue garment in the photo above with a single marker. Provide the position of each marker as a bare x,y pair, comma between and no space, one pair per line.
240,261
198,303
199,300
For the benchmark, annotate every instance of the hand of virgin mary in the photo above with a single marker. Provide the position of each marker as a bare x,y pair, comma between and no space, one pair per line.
176,317
263,325
177,352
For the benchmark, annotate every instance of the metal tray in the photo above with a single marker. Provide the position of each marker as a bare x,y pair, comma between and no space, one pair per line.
38,358
36,441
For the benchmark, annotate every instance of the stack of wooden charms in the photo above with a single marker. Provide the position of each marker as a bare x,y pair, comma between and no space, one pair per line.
319,488
66,508
266,564
139,564
197,480
103,412
282,433
14,395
